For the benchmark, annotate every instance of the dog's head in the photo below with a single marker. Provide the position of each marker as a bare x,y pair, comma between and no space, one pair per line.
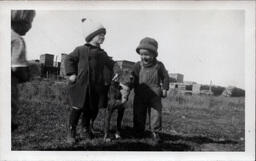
123,80
123,85
123,76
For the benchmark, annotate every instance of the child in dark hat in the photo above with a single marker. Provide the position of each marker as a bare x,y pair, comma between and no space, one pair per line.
85,66
149,74
21,22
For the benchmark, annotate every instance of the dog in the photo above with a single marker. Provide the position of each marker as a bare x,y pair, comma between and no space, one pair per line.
118,94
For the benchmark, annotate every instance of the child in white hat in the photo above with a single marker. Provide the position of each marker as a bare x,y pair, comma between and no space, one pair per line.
21,22
84,66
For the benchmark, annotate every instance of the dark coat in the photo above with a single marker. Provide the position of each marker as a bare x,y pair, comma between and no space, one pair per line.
77,62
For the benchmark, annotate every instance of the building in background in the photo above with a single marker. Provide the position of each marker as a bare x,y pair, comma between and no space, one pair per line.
34,61
176,77
196,88
178,85
62,67
232,91
49,68
47,59
125,64
34,68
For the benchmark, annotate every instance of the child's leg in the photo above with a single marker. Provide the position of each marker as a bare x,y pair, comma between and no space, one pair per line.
100,104
149,117
86,118
14,101
96,102
74,117
93,117
119,121
156,118
94,113
94,108
103,97
139,115
90,112
109,112
73,121
156,115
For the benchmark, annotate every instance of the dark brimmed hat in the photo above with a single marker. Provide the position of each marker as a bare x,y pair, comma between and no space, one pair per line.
148,44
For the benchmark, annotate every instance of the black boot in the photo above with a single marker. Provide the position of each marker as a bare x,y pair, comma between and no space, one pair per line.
73,120
138,133
86,125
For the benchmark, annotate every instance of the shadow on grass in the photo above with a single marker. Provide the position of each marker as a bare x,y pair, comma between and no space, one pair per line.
168,137
130,143
196,139
124,146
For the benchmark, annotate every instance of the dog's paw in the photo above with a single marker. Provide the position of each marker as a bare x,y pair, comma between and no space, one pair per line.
117,135
107,140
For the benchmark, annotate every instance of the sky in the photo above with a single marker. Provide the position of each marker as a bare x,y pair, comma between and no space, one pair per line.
204,45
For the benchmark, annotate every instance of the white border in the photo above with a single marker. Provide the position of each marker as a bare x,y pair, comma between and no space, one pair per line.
5,137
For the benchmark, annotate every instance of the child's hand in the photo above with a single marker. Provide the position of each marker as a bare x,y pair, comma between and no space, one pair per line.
164,93
72,78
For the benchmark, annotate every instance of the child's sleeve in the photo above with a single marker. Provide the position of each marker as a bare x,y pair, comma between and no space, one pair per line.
18,53
19,64
108,61
71,62
164,76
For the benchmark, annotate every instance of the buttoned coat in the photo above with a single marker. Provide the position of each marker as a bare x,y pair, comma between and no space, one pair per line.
77,62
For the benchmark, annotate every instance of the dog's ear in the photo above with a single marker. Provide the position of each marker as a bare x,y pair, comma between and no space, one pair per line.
116,77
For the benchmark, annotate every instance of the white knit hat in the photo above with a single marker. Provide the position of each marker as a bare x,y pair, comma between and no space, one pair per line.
91,29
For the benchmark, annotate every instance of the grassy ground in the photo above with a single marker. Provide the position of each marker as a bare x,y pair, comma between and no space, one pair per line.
190,123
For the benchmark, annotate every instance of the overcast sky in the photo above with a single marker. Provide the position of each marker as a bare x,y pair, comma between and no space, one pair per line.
204,45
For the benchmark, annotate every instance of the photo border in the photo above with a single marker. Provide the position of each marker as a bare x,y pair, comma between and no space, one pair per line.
5,102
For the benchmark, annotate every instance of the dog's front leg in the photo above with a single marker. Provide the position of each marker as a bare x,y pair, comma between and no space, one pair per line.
119,121
109,112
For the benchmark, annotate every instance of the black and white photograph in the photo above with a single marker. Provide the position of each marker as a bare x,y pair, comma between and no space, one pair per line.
128,78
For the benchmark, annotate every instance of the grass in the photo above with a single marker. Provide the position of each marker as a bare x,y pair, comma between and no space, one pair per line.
190,123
